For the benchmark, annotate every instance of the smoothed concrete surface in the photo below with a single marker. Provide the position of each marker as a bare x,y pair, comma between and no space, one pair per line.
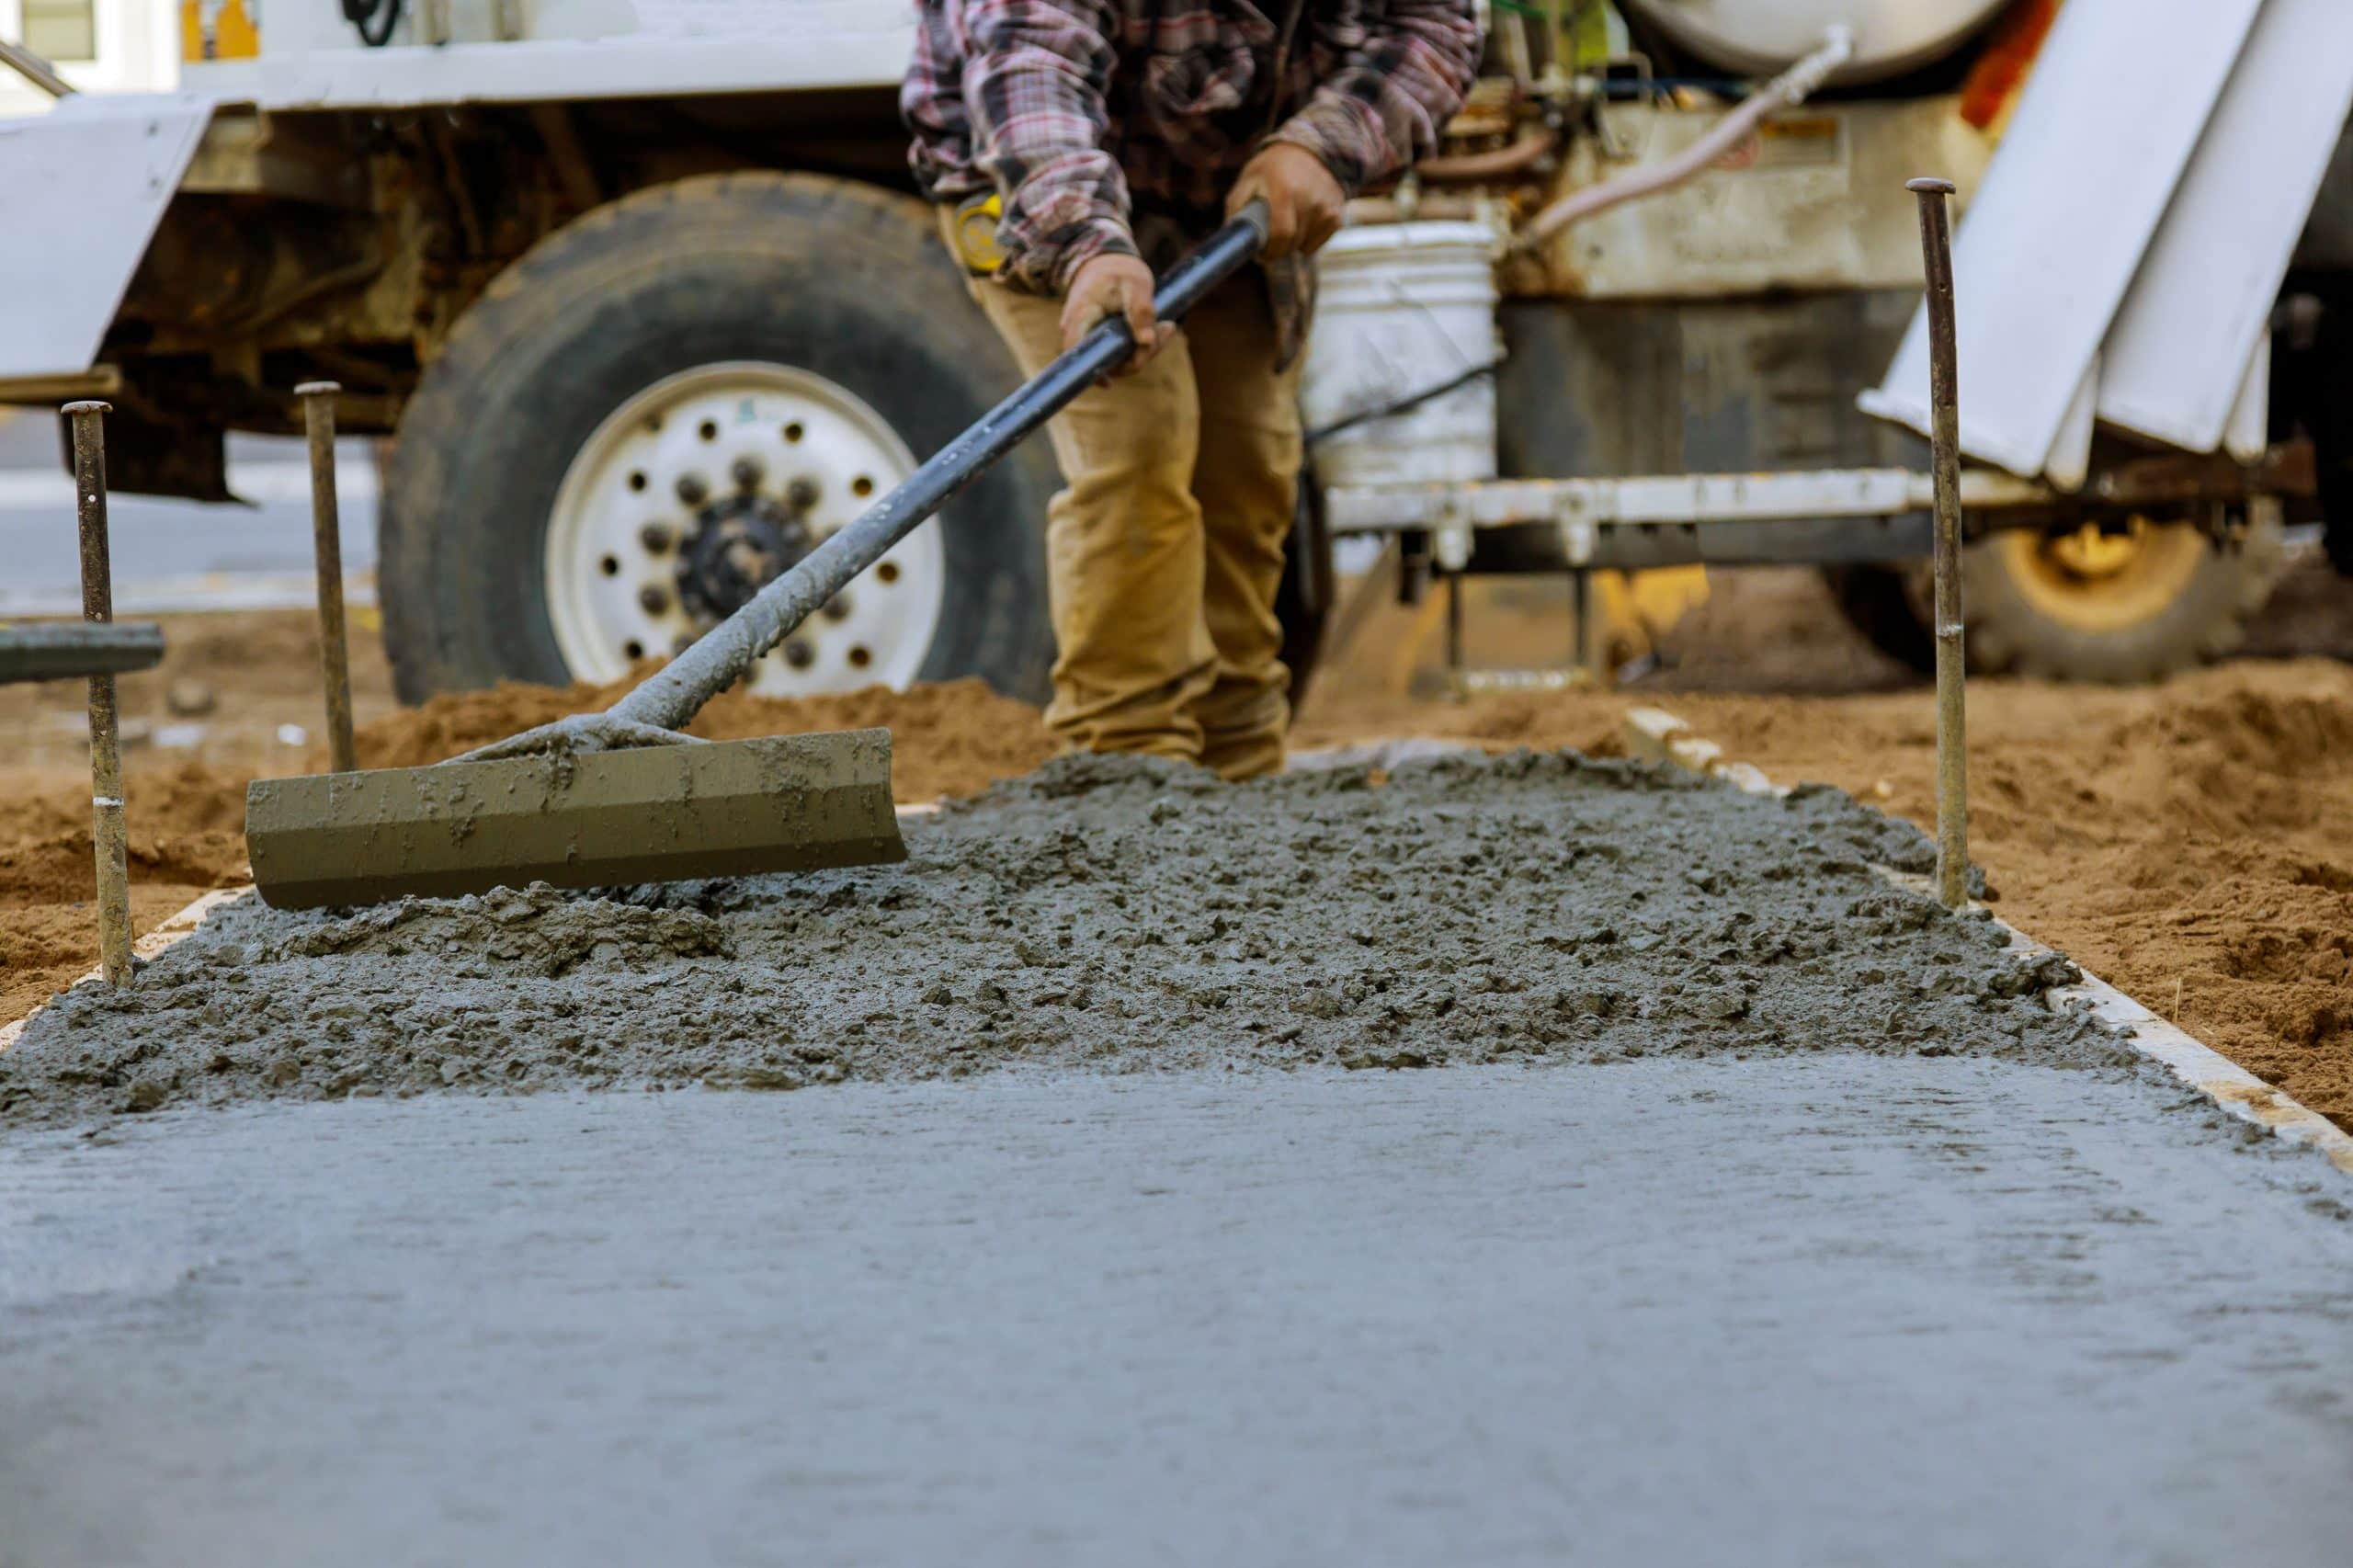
1829,1310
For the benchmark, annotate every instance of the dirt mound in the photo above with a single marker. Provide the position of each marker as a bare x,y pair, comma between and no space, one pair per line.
948,739
186,835
186,827
2231,899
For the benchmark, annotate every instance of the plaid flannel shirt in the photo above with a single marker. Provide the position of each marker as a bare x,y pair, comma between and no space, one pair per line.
1119,125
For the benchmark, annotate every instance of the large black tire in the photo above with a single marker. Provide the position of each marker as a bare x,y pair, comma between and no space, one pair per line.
2026,618
2177,621
1310,588
1882,603
836,278
2318,379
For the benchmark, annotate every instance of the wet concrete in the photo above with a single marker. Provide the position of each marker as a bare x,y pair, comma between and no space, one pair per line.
1119,916
1853,1309
1760,1212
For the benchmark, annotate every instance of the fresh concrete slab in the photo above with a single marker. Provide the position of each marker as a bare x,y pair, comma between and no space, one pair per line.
1825,1310
1117,914
1699,1197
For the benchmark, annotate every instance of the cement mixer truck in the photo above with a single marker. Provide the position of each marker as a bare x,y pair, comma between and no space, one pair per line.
638,292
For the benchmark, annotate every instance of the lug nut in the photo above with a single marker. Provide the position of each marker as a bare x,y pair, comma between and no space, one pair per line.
651,600
837,607
747,472
801,493
655,536
799,655
691,489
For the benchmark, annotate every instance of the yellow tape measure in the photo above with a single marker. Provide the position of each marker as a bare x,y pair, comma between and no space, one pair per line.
976,241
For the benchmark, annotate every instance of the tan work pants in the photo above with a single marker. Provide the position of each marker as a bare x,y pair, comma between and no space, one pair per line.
1164,552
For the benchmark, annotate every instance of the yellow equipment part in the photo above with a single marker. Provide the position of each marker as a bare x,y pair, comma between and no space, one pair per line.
227,33
2094,581
1634,610
1522,623
976,243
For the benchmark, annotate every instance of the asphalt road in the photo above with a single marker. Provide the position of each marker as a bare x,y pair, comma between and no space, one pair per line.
1816,1310
174,555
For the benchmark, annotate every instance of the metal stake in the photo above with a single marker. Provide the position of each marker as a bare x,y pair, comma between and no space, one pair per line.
326,546
108,843
1944,403
1455,686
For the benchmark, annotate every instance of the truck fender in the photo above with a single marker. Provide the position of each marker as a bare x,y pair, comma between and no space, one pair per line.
82,188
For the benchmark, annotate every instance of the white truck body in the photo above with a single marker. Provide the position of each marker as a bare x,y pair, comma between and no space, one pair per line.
478,51
2119,117
2123,253
84,185
323,206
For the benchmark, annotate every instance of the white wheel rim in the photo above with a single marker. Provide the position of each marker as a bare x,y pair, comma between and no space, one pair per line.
652,478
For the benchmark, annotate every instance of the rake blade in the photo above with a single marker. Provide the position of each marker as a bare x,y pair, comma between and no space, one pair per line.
592,819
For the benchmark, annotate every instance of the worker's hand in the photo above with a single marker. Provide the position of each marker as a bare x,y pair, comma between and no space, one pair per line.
1304,203
1110,284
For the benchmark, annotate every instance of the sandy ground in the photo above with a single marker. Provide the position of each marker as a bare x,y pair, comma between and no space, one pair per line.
2192,842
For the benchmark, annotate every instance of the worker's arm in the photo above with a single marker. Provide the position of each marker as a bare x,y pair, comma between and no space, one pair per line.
1035,73
1401,71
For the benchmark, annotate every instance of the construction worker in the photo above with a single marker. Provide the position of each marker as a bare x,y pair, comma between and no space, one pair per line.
1077,147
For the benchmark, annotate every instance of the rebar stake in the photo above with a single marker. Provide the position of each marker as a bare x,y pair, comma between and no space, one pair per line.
107,845
326,547
1944,405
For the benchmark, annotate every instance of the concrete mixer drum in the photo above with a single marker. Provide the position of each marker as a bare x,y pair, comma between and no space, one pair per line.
1762,36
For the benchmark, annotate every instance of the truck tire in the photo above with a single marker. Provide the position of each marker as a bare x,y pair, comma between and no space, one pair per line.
1883,604
1310,587
2118,608
665,403
2131,608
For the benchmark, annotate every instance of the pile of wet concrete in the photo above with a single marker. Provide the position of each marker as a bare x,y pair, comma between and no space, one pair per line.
1112,914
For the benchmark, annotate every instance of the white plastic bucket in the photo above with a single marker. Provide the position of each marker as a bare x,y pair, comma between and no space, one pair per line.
1401,308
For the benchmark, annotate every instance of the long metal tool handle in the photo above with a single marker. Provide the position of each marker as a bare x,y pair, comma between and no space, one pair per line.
719,658
1944,407
34,69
